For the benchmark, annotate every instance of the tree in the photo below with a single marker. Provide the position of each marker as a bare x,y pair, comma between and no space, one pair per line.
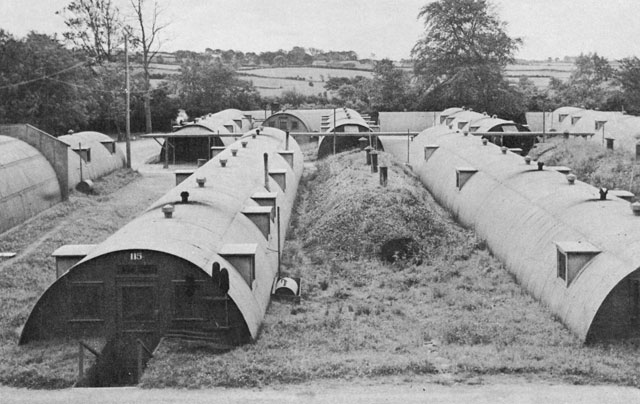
146,36
463,53
628,77
95,26
590,84
210,87
43,83
391,87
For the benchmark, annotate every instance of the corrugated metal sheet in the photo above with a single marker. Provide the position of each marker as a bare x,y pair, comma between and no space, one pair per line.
624,129
212,218
522,213
102,160
28,183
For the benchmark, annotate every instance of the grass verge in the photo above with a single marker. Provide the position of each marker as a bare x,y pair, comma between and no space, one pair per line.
449,312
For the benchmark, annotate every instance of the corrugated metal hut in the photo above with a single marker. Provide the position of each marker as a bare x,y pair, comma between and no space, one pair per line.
576,253
612,129
193,141
28,182
342,120
91,156
160,276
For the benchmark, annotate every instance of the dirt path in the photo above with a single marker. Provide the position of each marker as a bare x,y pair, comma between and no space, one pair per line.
502,391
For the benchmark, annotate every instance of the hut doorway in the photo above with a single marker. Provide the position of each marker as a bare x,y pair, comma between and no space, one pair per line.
137,325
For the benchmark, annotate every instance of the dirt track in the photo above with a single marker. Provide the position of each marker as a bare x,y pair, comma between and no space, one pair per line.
510,391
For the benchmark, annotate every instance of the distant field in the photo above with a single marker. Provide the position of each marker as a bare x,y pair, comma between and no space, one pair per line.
273,81
304,80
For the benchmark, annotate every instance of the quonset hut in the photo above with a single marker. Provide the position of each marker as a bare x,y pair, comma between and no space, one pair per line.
610,128
28,182
193,141
163,276
341,121
470,121
573,251
91,156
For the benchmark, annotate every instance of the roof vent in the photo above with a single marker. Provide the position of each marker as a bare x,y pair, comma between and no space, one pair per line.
201,181
168,211
540,165
603,193
234,152
573,256
244,144
635,208
527,159
223,162
571,178
184,195
463,174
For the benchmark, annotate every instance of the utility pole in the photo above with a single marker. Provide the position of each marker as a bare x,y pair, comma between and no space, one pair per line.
127,99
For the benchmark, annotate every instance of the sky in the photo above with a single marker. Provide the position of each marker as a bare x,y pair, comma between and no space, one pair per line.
373,28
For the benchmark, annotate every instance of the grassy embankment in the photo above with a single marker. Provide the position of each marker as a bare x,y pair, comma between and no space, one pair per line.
592,163
80,220
450,312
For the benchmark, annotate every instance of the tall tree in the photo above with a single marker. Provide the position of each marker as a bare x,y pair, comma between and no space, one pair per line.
42,83
463,53
590,84
210,87
95,26
391,87
149,24
628,77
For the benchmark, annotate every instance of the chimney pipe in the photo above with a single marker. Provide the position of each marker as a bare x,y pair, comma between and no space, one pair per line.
185,196
266,170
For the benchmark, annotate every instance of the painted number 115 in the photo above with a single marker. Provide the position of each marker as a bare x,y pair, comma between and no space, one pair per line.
136,256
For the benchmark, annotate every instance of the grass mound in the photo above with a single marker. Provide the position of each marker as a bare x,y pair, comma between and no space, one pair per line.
353,216
453,314
592,163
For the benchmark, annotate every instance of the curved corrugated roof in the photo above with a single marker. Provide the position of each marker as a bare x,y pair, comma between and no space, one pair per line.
102,162
213,218
294,114
522,213
28,182
624,129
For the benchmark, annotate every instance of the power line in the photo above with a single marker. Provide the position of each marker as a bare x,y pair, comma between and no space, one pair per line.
47,76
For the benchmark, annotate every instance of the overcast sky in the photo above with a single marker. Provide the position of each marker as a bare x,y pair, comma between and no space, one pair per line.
384,28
